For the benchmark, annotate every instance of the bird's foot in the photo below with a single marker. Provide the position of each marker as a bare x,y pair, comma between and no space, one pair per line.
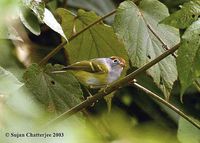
133,81
104,89
90,96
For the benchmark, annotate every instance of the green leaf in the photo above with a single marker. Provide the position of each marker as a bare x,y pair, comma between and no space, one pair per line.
30,21
31,13
108,98
9,33
52,5
50,20
99,6
8,82
43,15
188,133
197,84
98,41
189,56
131,24
184,17
7,56
57,92
37,6
8,9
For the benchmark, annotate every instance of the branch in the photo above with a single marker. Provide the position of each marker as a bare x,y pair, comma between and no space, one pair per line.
116,85
59,47
158,98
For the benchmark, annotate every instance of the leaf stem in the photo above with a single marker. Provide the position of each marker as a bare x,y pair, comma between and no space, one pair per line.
158,98
163,43
60,46
116,85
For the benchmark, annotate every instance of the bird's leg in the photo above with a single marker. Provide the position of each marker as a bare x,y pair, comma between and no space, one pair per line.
90,95
91,86
104,88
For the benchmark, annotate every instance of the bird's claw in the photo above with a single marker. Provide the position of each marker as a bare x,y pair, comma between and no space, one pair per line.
104,89
133,81
88,98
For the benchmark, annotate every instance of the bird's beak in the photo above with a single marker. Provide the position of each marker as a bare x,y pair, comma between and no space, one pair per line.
122,64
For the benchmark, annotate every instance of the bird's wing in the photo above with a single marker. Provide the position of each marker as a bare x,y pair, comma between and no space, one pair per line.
92,66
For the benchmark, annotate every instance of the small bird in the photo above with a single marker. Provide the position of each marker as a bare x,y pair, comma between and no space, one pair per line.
98,72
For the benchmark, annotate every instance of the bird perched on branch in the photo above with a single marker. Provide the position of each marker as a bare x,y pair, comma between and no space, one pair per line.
98,72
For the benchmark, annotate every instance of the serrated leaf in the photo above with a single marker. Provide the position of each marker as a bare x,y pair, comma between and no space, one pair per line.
131,24
50,20
58,92
98,41
30,21
188,133
184,17
100,7
189,56
8,82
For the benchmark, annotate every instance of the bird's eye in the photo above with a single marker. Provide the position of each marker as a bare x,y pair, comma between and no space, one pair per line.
115,61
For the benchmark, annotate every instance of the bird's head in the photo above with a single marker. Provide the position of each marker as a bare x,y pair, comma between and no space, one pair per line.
117,62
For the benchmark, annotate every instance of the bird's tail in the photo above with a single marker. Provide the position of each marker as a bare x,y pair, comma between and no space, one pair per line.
63,70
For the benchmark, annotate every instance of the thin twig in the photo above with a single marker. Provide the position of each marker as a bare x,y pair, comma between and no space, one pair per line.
59,47
158,98
156,35
159,39
116,85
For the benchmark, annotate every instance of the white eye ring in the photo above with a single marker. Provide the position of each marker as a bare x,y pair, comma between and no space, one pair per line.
115,61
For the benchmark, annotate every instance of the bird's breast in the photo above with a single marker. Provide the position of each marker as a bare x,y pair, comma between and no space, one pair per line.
92,79
97,80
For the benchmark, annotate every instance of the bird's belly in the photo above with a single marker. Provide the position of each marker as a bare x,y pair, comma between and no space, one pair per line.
111,78
92,80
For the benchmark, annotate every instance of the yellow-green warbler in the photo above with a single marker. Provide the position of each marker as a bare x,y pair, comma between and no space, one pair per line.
98,72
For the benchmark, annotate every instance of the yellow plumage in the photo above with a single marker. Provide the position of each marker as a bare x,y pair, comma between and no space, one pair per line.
97,73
